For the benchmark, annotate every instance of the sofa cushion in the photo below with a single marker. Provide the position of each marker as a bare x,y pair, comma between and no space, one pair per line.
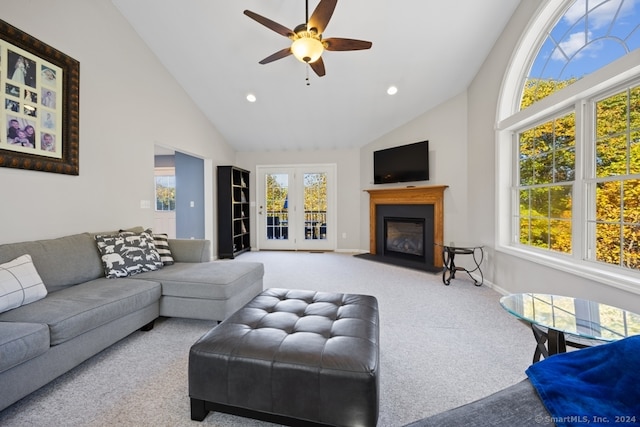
81,308
162,245
128,253
20,283
20,342
61,262
208,280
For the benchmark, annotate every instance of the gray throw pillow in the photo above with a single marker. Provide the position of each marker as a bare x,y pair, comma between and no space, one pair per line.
128,253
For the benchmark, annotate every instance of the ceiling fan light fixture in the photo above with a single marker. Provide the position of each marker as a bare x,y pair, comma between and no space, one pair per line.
307,48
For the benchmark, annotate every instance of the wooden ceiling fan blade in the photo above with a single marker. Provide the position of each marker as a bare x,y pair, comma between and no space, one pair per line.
318,67
272,25
321,15
346,44
278,55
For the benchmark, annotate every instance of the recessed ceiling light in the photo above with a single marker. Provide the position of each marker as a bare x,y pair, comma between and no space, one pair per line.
392,90
251,98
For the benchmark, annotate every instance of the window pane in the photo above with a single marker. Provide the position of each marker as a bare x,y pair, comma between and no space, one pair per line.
560,238
560,201
631,199
611,156
608,201
608,243
277,214
165,193
565,165
611,115
634,108
525,230
631,251
634,153
540,202
526,156
540,233
544,169
315,206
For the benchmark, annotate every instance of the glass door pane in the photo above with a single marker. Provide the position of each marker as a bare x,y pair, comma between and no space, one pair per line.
315,206
277,206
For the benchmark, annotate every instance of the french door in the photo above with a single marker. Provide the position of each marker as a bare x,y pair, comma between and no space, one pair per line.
296,207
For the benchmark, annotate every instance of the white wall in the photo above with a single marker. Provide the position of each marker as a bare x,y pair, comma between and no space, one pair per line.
446,129
128,103
348,192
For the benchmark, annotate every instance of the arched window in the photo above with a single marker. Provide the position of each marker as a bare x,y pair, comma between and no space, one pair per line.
569,141
588,36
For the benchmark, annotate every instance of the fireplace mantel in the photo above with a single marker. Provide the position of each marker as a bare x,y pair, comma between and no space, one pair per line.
427,195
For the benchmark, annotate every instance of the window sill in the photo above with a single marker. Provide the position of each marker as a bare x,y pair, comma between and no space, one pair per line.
627,281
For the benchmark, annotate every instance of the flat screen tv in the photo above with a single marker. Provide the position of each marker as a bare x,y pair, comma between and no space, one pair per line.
401,164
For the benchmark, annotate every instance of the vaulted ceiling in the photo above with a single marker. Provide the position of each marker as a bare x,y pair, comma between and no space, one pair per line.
430,50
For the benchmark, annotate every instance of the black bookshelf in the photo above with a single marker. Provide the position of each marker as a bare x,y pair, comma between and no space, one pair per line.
234,233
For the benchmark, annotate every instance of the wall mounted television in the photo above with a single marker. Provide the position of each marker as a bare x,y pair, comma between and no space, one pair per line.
404,163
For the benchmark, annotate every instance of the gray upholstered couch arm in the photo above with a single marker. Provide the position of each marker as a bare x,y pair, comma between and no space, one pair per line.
190,250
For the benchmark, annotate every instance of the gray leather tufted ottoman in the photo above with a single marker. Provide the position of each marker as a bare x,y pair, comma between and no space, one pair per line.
292,357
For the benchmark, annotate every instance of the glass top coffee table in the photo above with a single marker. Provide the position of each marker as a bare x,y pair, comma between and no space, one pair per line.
553,317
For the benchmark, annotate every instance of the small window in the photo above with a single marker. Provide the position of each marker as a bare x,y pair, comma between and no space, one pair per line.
165,193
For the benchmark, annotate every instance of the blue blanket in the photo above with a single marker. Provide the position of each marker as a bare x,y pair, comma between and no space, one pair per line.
597,385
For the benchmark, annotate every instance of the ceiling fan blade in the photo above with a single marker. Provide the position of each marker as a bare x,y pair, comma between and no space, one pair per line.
278,55
321,16
318,67
272,25
346,44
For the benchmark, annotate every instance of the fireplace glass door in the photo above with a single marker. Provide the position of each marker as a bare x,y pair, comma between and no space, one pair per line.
404,237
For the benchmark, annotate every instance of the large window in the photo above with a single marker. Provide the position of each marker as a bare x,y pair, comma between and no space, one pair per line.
546,164
569,148
616,220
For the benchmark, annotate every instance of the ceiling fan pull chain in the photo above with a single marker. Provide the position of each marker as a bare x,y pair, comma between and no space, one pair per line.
307,79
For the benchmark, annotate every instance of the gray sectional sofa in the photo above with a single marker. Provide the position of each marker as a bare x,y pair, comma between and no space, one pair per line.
84,312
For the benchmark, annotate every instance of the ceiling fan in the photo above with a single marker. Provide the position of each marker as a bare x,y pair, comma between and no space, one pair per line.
307,42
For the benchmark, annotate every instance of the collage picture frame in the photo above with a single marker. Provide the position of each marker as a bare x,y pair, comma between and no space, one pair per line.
39,100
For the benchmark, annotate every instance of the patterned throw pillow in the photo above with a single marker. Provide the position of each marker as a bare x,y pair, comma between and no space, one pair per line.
128,253
20,283
162,245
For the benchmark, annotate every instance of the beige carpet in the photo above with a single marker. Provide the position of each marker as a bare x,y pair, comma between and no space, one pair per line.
441,346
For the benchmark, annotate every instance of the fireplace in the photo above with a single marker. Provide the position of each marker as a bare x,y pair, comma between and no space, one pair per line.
405,234
409,210
404,237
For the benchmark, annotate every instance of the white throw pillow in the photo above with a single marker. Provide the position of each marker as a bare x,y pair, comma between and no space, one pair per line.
20,283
